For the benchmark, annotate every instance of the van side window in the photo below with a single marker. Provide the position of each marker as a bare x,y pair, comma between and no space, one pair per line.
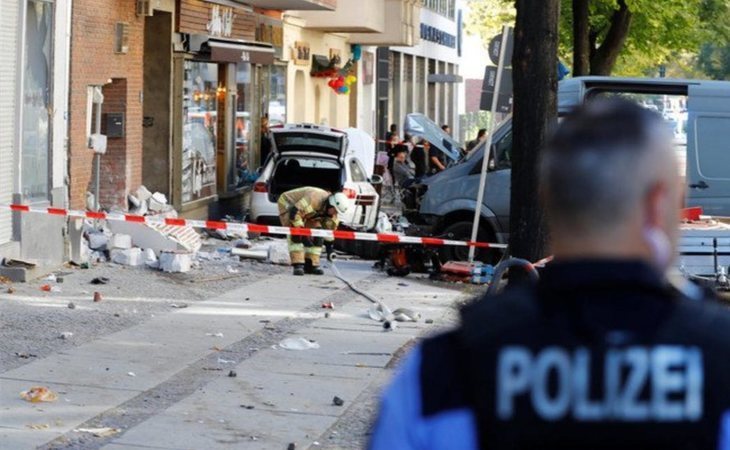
712,138
502,157
356,171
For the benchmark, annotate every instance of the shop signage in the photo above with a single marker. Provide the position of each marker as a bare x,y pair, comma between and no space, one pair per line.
221,21
433,34
300,53
215,19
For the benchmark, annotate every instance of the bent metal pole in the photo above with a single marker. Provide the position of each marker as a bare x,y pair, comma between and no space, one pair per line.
488,143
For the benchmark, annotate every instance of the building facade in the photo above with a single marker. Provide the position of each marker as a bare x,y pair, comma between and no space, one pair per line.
423,77
33,125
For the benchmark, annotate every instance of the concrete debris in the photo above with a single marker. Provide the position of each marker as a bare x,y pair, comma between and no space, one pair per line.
225,361
98,240
127,257
337,401
150,259
230,269
298,343
158,202
178,305
242,243
406,315
175,262
120,241
51,278
143,194
66,335
214,334
257,254
383,225
131,374
279,252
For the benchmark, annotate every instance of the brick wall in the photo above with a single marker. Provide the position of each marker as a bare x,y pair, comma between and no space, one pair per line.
93,62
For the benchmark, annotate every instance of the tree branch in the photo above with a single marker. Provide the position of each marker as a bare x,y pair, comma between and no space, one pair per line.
581,38
605,56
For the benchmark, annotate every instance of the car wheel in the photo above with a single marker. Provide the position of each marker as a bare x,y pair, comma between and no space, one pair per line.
461,231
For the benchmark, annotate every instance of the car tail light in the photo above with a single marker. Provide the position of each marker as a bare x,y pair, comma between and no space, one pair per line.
350,193
260,187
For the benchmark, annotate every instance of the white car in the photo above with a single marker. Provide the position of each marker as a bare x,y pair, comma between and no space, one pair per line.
323,157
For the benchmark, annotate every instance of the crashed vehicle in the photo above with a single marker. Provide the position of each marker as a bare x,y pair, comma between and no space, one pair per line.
323,157
443,204
447,200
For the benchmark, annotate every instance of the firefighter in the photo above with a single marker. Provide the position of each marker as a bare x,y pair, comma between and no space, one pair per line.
310,207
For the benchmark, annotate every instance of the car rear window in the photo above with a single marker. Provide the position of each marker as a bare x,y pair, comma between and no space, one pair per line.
308,142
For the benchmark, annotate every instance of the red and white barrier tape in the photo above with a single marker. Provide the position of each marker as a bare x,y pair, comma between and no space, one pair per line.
388,238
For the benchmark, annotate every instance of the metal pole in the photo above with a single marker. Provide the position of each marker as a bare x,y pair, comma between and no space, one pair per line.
98,156
488,143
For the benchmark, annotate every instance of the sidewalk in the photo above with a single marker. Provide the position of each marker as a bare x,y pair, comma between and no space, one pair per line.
180,395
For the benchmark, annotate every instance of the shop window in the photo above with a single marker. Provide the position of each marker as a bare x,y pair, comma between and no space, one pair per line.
243,128
36,101
200,115
277,96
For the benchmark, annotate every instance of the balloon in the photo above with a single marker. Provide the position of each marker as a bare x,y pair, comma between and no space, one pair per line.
331,83
351,79
345,90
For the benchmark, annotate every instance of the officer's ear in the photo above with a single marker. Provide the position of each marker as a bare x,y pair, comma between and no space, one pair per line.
656,205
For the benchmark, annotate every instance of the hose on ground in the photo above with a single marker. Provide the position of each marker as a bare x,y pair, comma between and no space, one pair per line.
388,323
505,265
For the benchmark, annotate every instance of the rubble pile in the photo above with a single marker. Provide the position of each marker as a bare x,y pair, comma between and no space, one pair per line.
168,248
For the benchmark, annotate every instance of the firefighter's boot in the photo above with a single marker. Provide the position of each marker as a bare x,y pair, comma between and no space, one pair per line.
298,270
311,269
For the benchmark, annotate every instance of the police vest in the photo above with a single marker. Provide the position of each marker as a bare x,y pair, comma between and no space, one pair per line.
620,365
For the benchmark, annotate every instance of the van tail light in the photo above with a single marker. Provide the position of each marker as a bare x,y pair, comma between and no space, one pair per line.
350,193
260,187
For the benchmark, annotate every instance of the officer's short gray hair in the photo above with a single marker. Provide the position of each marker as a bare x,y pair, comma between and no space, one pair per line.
600,163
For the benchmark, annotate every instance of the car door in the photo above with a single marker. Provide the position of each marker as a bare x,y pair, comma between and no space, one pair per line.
367,200
708,145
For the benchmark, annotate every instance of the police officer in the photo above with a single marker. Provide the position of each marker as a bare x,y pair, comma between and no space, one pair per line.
601,353
310,207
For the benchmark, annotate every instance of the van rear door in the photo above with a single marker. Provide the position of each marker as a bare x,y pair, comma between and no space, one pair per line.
708,147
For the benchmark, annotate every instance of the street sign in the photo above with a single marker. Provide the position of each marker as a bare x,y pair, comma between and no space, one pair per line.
495,45
504,102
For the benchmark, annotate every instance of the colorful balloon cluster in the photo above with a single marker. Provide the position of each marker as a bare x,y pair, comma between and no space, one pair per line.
344,78
342,83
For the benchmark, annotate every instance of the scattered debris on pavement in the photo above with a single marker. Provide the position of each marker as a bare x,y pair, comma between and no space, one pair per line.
97,297
178,305
24,355
131,374
232,374
71,305
328,305
298,343
38,394
406,315
291,446
99,432
100,280
220,335
38,426
66,335
337,401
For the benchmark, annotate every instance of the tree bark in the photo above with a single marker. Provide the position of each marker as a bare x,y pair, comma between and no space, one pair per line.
581,38
535,83
604,57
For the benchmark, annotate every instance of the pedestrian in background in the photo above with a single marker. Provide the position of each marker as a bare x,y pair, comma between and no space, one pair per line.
481,137
419,157
602,353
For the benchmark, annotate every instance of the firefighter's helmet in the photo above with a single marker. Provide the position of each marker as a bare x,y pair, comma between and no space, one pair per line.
340,202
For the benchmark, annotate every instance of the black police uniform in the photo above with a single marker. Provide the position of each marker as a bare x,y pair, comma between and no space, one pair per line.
598,355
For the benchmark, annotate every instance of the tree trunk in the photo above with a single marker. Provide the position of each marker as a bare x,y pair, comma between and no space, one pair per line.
581,39
535,83
604,58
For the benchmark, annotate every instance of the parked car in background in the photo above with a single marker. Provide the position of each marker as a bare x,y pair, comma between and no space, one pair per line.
324,157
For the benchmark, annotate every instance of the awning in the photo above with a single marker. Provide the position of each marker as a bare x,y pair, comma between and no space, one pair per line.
236,52
444,78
